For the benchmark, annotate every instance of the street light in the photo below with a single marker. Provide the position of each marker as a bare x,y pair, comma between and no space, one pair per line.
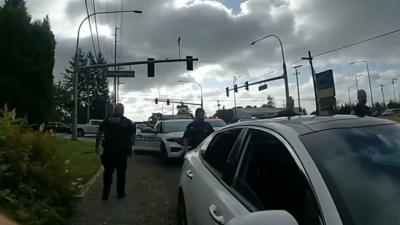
201,89
357,76
297,81
394,89
283,63
348,90
76,68
369,79
383,95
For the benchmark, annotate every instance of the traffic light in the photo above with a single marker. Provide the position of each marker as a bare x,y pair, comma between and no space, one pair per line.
156,100
227,91
189,62
246,85
167,101
235,88
150,67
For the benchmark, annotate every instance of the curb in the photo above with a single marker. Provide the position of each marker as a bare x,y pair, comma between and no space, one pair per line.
89,184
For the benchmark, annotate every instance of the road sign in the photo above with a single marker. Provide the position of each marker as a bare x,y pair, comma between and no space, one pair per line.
129,73
263,87
326,92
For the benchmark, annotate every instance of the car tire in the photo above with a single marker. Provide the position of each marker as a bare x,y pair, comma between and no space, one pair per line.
181,218
80,133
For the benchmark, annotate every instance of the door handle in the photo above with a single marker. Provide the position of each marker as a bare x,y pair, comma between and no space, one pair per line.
189,174
212,209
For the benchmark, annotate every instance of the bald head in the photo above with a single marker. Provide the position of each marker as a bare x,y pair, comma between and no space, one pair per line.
119,109
362,96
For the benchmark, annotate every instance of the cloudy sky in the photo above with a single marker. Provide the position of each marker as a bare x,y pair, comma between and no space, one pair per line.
219,33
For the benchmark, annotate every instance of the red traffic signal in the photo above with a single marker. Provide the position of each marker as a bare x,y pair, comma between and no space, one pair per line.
227,91
156,100
235,88
167,101
246,85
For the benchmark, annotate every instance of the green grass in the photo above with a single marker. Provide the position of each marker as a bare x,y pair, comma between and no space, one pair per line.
81,160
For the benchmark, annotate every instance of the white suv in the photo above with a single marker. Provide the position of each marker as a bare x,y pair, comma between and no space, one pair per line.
166,137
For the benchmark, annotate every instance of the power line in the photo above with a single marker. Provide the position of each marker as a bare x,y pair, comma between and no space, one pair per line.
357,43
90,27
95,22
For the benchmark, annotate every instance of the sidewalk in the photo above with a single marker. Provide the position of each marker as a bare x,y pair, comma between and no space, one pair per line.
151,197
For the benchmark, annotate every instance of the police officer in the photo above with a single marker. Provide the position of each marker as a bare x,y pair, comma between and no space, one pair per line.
119,134
361,109
196,131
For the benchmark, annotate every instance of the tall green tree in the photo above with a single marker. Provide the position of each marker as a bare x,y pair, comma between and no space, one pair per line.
92,87
184,110
26,62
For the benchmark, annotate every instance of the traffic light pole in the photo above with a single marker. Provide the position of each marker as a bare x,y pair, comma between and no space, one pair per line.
187,60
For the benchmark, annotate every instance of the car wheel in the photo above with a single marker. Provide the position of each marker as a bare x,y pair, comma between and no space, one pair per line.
181,210
80,133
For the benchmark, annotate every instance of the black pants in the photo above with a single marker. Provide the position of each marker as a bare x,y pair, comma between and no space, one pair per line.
111,163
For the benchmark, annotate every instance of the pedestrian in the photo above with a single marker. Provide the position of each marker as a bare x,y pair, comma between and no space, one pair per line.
119,136
361,109
196,131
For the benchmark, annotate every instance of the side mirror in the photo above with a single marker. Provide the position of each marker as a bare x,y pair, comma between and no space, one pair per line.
271,217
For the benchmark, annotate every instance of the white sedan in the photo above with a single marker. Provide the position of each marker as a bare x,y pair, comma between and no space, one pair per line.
308,171
166,137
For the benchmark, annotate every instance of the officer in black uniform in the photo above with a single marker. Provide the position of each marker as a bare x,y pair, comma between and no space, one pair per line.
196,131
119,134
361,109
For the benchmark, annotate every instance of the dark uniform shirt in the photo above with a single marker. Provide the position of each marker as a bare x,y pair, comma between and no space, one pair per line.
360,110
197,131
118,132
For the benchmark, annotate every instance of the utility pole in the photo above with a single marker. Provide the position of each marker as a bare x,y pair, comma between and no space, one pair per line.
115,67
394,89
310,60
297,81
383,95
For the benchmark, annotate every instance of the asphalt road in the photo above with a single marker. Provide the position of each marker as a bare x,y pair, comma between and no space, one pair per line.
151,196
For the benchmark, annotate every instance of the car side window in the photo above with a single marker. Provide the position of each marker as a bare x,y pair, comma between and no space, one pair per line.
217,152
269,179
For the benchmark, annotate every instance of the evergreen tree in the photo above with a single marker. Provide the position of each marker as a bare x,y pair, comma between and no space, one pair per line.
27,61
92,87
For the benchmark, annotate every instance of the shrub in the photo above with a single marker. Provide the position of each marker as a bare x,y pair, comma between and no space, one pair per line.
34,186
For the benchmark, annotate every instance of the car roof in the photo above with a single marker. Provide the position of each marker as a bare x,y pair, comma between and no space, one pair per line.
308,124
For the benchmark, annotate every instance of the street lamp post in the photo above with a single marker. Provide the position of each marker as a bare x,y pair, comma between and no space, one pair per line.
357,76
369,79
283,64
383,95
201,89
348,90
297,81
394,89
76,69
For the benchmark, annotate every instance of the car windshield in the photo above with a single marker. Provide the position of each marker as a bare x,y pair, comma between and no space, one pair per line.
361,168
217,123
175,126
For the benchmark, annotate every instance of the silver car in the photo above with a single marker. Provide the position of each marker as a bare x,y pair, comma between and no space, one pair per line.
308,171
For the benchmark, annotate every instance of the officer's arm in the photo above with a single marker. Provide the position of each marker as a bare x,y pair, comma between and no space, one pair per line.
98,136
